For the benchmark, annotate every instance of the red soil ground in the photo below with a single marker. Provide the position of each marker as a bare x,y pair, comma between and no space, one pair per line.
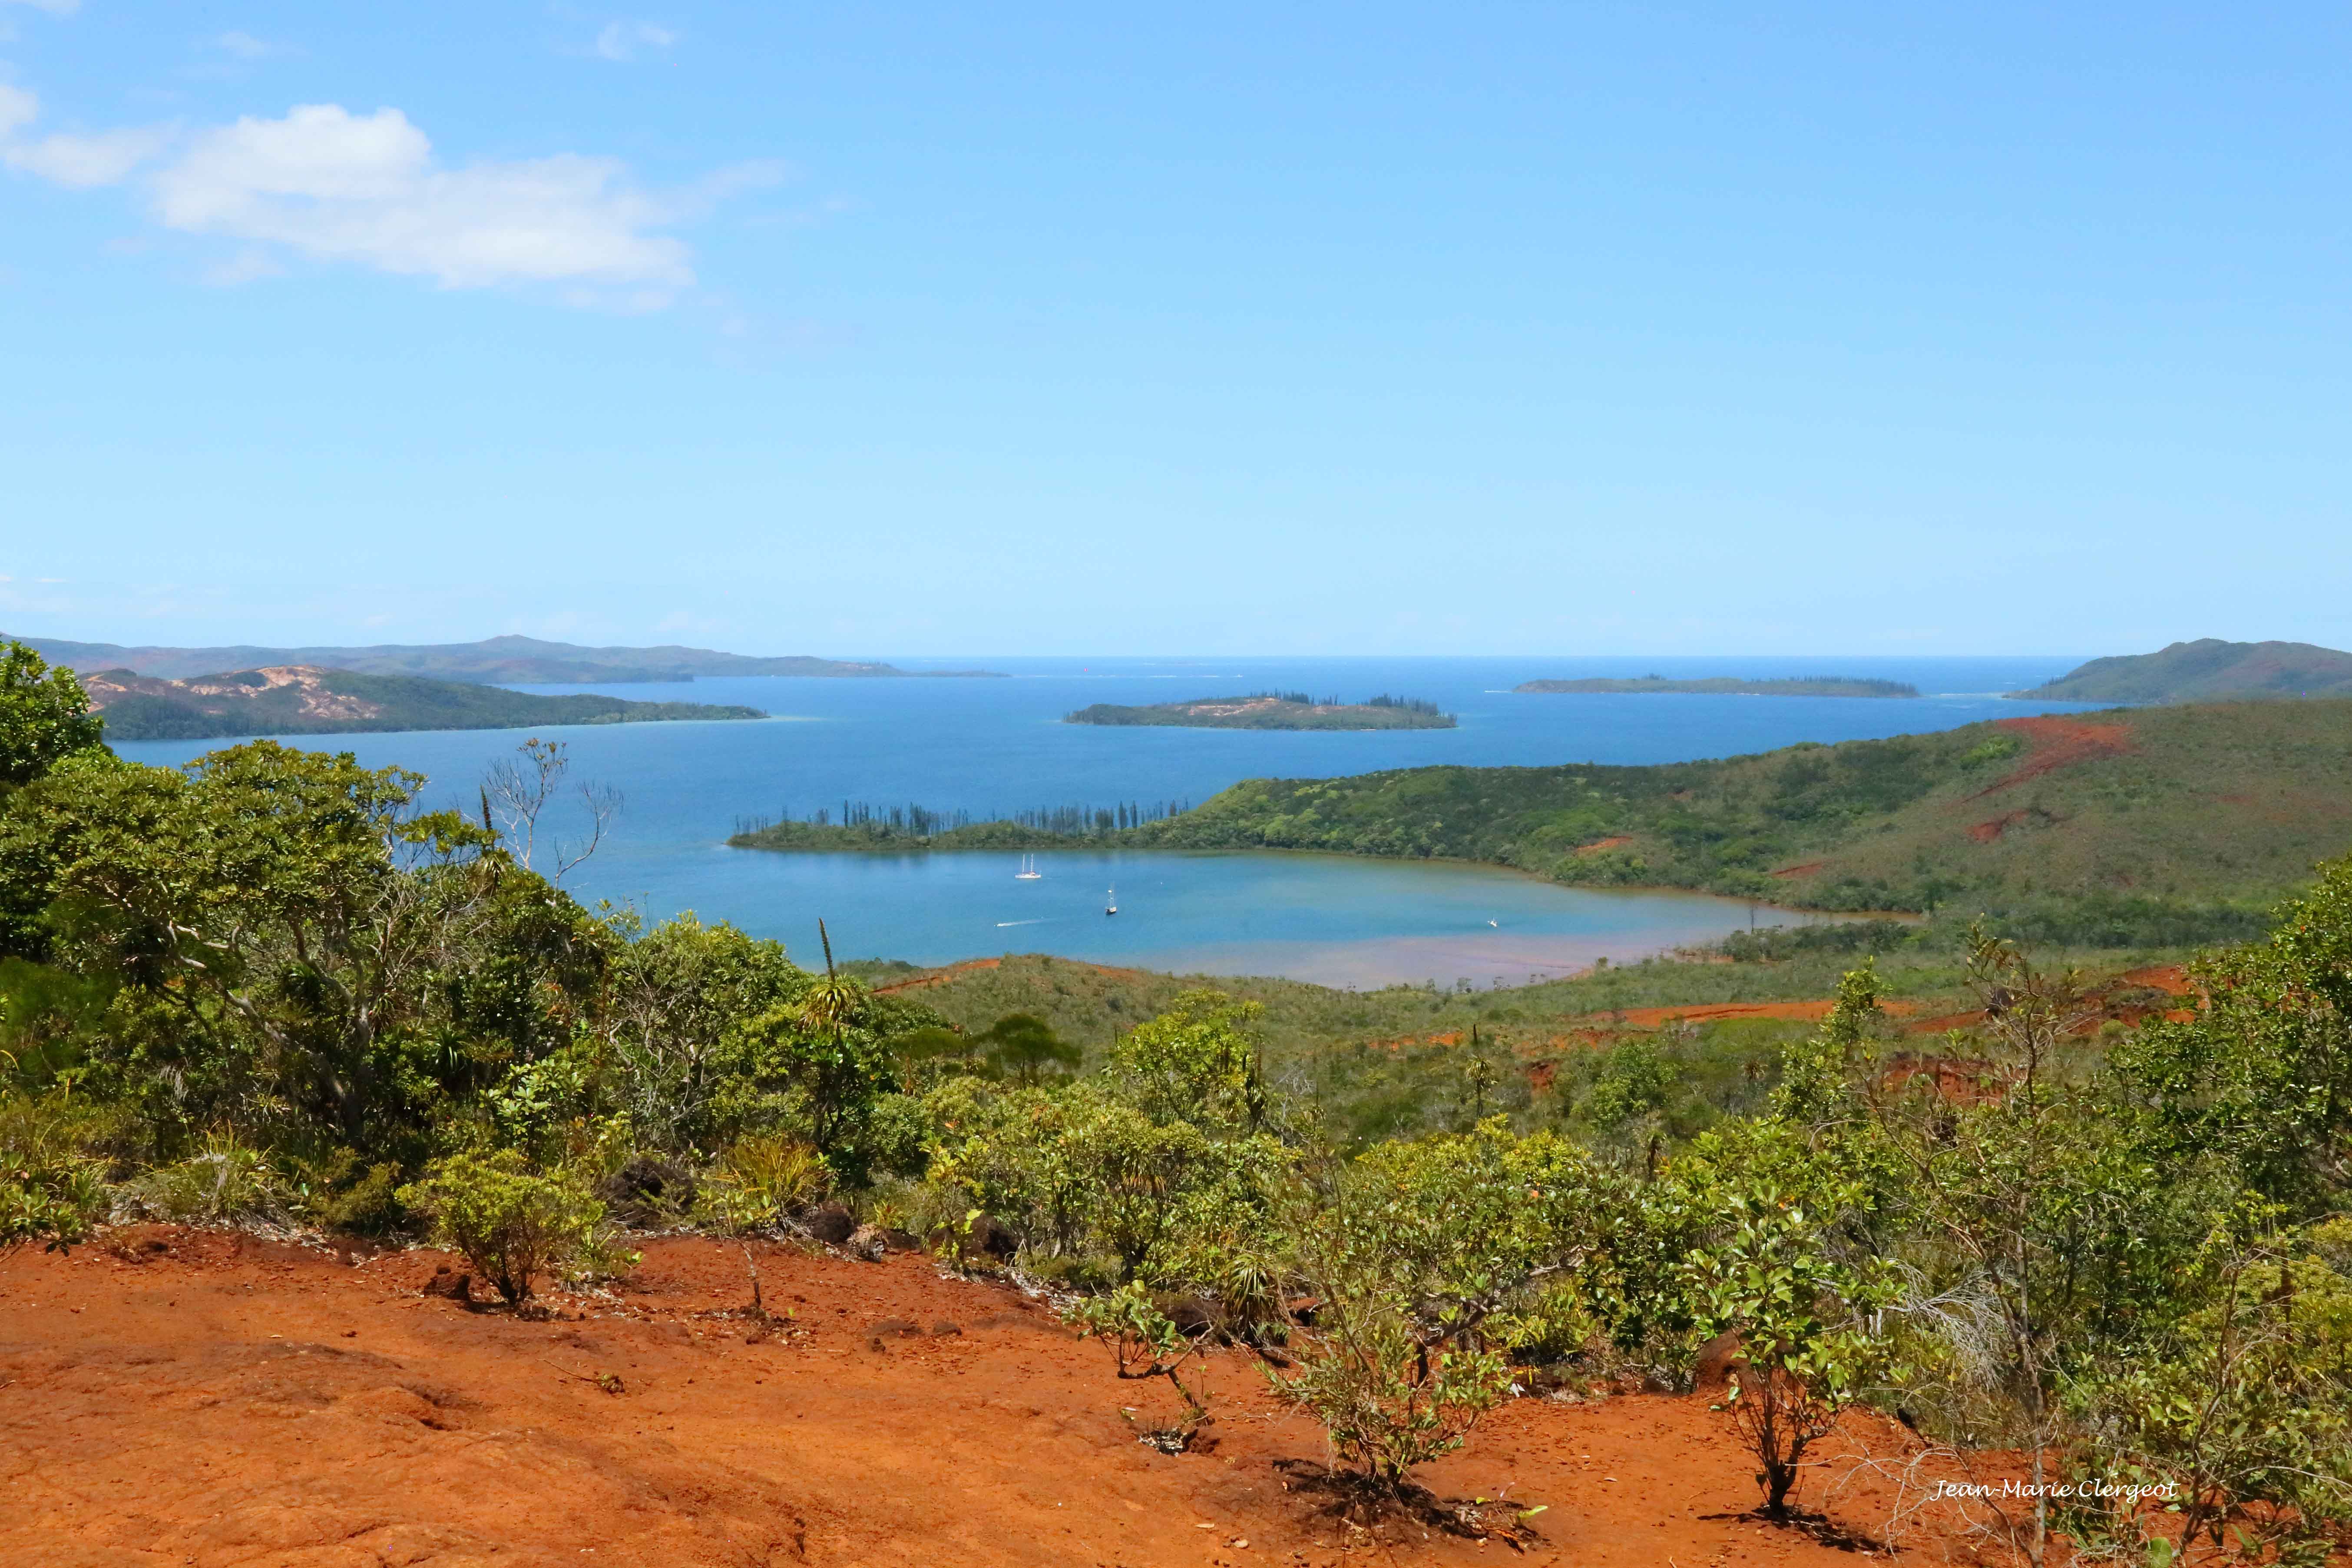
200,1399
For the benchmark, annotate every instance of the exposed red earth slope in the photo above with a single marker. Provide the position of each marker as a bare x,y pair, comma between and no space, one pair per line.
203,1399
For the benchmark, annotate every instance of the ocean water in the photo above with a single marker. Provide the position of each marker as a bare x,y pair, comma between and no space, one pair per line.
989,746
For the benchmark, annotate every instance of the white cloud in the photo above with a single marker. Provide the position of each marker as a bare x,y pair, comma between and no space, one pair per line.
330,185
622,40
18,107
338,186
246,46
102,158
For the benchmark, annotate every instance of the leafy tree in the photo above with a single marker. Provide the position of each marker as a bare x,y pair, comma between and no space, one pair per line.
2236,1421
2260,1075
45,717
1199,1061
1025,1047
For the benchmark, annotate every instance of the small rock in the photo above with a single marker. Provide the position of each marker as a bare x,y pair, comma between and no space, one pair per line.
944,1328
867,1243
829,1223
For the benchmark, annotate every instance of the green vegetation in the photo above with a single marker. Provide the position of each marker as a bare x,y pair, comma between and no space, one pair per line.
2140,828
1735,686
516,660
2170,826
2105,1231
901,829
2203,671
302,701
1276,710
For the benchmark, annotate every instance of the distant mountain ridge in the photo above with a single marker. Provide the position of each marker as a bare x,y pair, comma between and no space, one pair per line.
493,660
303,700
1735,686
2205,670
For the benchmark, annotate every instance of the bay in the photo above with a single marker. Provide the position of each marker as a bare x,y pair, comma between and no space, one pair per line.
991,746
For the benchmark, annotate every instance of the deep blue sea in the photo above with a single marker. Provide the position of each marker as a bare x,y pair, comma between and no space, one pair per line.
990,746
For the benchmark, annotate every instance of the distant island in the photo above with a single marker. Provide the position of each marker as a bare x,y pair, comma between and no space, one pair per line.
512,661
302,699
2203,670
1274,710
1732,685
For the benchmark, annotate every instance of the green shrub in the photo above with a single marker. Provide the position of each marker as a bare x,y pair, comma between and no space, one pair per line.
226,1182
51,1188
1418,1255
758,1180
512,1223
1803,1320
2238,1421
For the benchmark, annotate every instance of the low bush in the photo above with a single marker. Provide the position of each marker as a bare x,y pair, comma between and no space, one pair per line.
225,1183
51,1188
758,1182
511,1222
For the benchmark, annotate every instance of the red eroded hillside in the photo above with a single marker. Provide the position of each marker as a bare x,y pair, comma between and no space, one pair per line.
201,1398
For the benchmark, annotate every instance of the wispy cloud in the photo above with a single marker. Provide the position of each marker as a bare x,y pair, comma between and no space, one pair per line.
246,46
621,41
80,161
326,184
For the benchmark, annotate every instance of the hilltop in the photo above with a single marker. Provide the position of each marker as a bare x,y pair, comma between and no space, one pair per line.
1734,686
501,659
297,700
2205,670
1274,711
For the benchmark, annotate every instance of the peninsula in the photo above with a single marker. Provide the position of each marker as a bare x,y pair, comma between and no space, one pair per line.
491,662
1733,686
303,700
2203,670
1274,710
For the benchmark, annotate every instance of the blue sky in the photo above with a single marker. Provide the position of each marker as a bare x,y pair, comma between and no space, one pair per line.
1339,329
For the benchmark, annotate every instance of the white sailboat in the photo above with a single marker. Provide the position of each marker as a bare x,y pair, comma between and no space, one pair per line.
1111,902
1028,872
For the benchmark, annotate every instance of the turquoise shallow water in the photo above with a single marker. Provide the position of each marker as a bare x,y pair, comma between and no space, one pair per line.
989,746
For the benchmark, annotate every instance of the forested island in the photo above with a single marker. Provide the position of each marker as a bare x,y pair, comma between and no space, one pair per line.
1274,710
516,660
296,699
2203,670
1734,686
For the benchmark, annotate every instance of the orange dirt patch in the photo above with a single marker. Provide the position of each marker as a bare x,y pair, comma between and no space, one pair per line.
2169,978
233,1401
2055,743
1986,832
1807,869
1600,846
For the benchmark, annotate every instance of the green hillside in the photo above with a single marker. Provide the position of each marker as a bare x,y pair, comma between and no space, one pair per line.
304,701
2204,671
513,660
2129,815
